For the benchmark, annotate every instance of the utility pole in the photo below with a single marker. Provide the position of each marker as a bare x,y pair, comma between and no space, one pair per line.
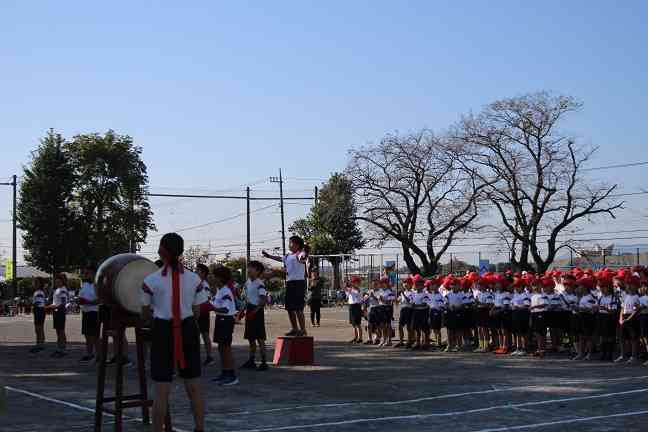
14,252
247,226
14,246
316,195
281,205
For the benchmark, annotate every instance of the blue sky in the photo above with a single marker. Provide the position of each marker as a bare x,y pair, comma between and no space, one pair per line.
222,94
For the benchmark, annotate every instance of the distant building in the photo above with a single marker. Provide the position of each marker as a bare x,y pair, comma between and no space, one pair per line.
597,251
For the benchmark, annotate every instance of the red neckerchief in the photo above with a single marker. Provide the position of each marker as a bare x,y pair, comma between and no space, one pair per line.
178,352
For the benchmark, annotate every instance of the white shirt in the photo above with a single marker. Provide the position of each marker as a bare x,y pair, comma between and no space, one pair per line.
420,298
61,297
254,290
539,302
486,298
224,298
587,302
157,292
630,303
607,304
436,301
559,288
643,302
387,296
295,270
571,300
521,301
502,299
88,293
455,300
406,299
38,300
354,296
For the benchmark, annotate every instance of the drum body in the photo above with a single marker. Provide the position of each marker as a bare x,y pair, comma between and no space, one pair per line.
119,281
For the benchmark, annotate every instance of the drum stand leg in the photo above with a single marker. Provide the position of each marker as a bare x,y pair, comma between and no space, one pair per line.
141,371
101,379
118,338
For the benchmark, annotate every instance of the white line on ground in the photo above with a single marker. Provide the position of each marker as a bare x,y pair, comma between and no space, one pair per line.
436,397
567,421
443,414
75,406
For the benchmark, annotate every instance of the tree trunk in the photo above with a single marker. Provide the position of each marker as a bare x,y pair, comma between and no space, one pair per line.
409,261
336,273
431,268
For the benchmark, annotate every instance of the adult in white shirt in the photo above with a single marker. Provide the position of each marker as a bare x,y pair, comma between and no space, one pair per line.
172,297
295,265
89,313
38,309
354,300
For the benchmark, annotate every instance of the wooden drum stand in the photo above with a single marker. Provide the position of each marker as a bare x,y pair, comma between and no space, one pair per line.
115,324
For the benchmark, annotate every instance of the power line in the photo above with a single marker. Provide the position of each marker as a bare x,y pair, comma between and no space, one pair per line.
623,165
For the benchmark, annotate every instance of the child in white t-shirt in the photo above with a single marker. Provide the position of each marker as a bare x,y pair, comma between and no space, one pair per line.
225,307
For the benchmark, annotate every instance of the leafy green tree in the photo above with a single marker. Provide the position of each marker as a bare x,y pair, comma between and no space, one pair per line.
111,190
331,227
47,211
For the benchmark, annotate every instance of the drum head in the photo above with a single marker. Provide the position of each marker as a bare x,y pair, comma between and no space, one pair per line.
127,288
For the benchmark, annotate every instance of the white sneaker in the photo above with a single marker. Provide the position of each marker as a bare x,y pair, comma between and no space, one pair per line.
631,360
588,357
621,359
522,353
578,357
646,364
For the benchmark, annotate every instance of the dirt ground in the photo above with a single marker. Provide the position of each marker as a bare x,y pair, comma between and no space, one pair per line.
350,388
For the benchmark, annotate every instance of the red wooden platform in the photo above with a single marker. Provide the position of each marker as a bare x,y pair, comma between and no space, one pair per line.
294,351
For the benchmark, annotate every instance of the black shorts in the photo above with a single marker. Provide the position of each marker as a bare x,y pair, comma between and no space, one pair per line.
90,323
355,314
482,318
203,322
295,295
162,366
643,325
606,325
59,319
538,323
39,316
631,328
420,319
565,321
436,319
405,317
452,320
520,322
468,318
384,314
374,315
506,320
586,324
255,327
223,330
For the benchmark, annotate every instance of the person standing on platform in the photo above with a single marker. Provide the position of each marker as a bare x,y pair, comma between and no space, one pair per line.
171,298
38,309
295,264
89,313
315,298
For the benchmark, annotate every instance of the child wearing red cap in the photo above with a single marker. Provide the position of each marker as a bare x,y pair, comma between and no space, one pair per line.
484,302
386,298
453,316
539,304
607,317
629,321
405,317
437,305
501,313
420,314
587,308
643,316
520,317
354,301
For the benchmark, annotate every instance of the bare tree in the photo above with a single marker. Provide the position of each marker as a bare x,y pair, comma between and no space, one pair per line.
411,188
534,172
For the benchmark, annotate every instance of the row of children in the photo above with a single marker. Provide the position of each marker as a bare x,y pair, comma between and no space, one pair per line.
510,313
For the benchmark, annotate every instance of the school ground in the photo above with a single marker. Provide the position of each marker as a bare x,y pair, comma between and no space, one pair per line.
351,388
